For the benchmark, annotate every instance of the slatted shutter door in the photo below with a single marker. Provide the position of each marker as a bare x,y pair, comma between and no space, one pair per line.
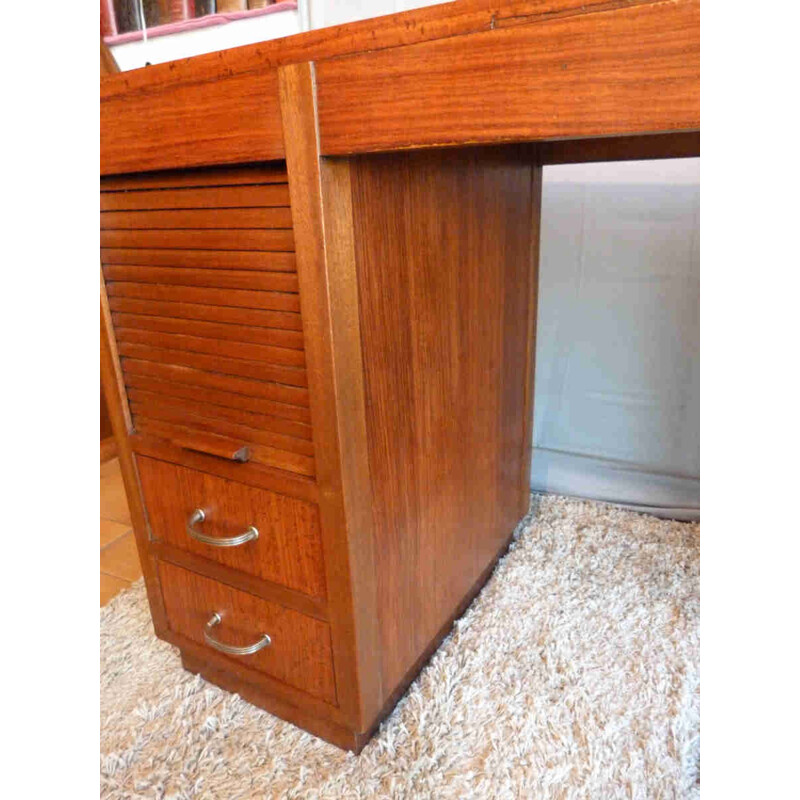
201,281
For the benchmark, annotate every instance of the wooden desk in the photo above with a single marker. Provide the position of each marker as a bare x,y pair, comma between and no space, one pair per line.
318,321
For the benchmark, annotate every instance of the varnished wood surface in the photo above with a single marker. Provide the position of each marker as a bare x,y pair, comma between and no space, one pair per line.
300,653
251,473
262,260
168,314
443,261
275,301
218,404
206,436
617,72
441,21
247,239
620,148
215,278
218,120
179,196
391,40
331,378
316,607
288,550
227,422
287,401
150,219
256,318
286,346
274,355
212,176
350,404
113,388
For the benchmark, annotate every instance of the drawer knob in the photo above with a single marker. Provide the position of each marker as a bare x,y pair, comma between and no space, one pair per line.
198,515
247,650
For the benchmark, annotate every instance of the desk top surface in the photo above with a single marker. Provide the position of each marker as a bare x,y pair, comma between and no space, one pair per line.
467,72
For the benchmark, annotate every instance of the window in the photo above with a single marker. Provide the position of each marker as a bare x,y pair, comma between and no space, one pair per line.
128,20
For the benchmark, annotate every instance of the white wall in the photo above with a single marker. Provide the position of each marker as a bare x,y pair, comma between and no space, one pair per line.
323,13
618,351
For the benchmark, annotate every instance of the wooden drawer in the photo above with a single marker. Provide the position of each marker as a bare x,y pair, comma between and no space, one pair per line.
300,650
288,550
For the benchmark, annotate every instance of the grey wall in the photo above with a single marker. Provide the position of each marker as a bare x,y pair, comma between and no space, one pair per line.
617,371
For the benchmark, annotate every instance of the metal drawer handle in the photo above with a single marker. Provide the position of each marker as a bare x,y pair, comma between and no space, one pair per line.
232,541
249,649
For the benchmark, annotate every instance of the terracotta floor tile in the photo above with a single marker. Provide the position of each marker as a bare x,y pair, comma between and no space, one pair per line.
121,559
110,586
113,502
109,468
109,531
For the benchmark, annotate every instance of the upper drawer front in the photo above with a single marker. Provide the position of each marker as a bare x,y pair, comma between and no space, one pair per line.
300,650
200,275
288,550
211,119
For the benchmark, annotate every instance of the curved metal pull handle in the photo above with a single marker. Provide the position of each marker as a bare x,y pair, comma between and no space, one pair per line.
232,541
247,650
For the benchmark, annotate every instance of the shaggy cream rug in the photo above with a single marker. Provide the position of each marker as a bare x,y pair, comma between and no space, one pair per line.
574,674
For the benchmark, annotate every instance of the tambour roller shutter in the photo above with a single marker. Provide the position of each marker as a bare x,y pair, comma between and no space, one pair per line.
200,274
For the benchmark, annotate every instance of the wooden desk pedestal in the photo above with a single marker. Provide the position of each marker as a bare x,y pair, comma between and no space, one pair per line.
318,339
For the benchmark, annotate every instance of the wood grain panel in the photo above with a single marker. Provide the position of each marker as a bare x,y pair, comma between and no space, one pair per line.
288,550
242,239
293,380
274,480
278,339
628,70
205,418
114,390
241,298
208,197
300,654
288,401
239,316
236,451
236,448
219,278
304,603
336,384
266,447
296,436
224,120
198,218
202,259
182,178
620,148
443,257
390,31
291,420
287,384
196,344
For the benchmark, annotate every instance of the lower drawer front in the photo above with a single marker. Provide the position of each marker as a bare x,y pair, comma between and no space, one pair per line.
299,653
288,549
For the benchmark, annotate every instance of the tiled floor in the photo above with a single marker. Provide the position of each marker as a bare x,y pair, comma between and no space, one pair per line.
119,561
